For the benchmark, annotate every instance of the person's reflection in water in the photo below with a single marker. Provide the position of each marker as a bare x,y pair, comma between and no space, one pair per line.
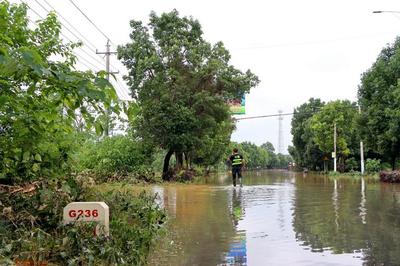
237,254
237,210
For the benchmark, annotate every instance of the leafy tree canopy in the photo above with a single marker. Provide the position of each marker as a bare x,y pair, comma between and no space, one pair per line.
379,97
305,151
40,95
181,82
268,146
343,114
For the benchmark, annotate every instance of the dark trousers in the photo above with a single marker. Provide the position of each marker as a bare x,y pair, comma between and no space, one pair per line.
236,172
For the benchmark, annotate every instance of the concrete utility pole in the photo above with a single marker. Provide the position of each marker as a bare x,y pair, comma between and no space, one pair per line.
107,53
334,147
361,148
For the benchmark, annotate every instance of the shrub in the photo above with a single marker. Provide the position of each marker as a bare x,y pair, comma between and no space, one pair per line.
390,176
351,164
385,166
135,221
41,93
115,158
373,165
28,234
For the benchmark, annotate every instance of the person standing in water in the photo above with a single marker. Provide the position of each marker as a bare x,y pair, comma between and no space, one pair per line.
237,163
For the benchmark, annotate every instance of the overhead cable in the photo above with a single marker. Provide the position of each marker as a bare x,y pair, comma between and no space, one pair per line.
83,13
93,47
286,114
81,48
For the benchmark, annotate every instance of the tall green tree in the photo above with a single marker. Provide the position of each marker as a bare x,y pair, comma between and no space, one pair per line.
181,83
305,151
272,157
379,97
344,114
40,94
268,146
212,149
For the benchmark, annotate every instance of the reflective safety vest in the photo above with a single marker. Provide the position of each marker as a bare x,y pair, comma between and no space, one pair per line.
237,160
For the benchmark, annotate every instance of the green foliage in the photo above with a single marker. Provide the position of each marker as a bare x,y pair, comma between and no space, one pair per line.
313,130
117,155
135,221
268,146
181,83
343,114
379,96
44,102
373,165
352,164
40,98
282,161
386,166
212,149
261,156
305,151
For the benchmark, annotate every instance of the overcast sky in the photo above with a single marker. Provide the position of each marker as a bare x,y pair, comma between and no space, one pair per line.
298,49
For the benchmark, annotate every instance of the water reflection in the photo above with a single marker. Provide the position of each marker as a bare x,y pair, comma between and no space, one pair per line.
200,226
237,254
237,206
280,218
364,222
363,209
335,203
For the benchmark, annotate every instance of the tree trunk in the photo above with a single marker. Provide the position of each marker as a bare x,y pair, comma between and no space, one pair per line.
166,165
393,162
179,160
187,163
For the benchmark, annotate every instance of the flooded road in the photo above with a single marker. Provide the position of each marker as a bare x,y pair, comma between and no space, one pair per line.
280,218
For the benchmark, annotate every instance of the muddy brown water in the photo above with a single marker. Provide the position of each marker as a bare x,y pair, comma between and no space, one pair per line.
280,218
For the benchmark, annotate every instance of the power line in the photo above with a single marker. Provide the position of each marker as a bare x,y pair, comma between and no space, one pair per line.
79,56
91,56
93,46
34,11
123,91
95,59
82,60
286,114
125,87
83,13
264,116
72,26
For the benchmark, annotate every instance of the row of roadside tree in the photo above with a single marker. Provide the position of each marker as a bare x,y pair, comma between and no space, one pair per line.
263,156
375,120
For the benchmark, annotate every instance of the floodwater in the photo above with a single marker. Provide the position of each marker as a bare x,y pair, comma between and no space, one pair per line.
280,218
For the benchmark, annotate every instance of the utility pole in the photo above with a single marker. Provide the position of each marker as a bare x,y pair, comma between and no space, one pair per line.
334,147
280,134
107,53
361,147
